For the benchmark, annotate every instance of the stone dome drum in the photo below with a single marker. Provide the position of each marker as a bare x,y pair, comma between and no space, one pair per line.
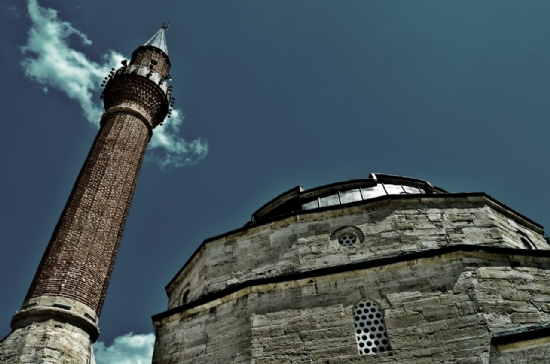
444,274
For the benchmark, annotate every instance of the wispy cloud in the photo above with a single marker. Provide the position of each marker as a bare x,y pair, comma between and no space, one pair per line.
176,151
126,349
49,60
13,10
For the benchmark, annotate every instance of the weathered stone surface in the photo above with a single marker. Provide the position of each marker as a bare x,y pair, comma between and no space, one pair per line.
50,341
426,323
442,308
304,242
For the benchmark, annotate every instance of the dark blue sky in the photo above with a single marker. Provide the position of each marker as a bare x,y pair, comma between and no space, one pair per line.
285,92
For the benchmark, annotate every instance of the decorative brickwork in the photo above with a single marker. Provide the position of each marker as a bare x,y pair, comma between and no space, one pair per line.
143,56
79,259
138,93
58,320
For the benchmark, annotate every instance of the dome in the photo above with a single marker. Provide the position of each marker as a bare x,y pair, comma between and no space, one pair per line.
355,191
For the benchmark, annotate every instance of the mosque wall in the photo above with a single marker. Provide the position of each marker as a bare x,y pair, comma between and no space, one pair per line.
440,309
383,228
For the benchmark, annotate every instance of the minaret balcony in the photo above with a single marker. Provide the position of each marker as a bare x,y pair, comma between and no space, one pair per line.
147,73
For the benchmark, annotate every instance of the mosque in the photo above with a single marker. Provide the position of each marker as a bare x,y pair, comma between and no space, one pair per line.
383,269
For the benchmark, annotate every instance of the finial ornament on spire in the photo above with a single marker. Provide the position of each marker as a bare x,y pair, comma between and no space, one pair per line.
165,25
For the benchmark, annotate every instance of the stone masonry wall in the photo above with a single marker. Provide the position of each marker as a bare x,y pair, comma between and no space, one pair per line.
304,242
47,342
510,296
442,309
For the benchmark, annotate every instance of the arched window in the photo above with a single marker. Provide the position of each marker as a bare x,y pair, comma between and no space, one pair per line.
370,329
526,243
184,297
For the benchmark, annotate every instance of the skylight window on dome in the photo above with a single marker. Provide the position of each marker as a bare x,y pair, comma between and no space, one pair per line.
413,190
311,205
394,189
372,192
329,201
350,196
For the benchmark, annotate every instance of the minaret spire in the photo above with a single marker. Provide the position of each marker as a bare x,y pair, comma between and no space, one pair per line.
159,39
63,304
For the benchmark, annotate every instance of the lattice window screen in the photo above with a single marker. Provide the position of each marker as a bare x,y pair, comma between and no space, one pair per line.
370,330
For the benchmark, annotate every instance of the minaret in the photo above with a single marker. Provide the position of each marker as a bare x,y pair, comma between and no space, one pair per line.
58,320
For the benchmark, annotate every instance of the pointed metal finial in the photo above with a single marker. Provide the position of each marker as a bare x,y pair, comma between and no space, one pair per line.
159,39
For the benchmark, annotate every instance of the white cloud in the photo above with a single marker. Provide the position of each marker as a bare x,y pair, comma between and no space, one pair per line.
49,60
126,349
176,151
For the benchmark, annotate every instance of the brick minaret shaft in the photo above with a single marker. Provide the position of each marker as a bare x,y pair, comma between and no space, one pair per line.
73,275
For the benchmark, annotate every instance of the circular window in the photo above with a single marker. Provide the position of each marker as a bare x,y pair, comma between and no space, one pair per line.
347,239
